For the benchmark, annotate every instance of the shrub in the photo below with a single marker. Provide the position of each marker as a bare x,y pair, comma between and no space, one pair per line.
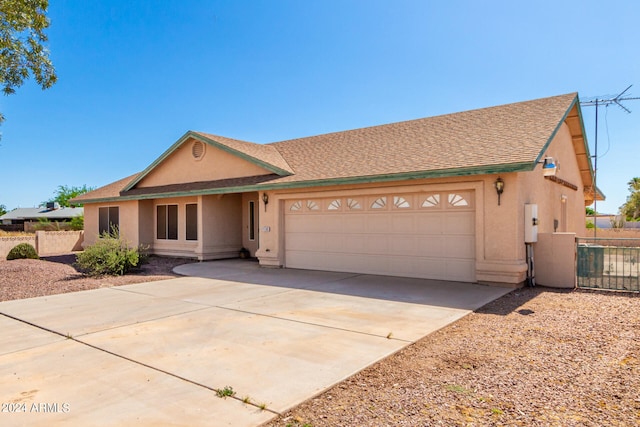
77,223
22,251
110,256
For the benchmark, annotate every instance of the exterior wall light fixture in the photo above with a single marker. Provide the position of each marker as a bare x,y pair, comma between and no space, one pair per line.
265,200
549,166
499,184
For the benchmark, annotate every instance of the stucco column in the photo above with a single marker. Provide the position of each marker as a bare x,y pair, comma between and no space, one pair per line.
269,231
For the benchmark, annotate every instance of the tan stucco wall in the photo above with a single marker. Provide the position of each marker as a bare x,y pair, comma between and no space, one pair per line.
555,260
128,216
180,167
548,194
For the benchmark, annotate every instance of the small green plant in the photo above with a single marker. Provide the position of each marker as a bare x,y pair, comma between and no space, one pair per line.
246,400
496,411
457,389
389,335
22,251
262,406
110,256
227,391
77,223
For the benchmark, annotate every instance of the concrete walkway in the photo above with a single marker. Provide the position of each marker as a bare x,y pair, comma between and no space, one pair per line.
155,353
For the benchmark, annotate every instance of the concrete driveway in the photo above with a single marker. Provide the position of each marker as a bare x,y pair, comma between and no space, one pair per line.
155,353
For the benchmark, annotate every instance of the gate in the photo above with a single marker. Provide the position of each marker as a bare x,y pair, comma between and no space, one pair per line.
606,263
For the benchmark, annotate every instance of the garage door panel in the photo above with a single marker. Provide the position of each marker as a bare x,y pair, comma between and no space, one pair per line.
332,240
331,223
306,242
403,223
459,269
297,223
434,243
403,245
353,223
377,243
459,223
354,243
432,268
430,246
376,223
459,247
429,223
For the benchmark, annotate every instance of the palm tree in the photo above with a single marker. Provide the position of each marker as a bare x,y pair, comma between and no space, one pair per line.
631,208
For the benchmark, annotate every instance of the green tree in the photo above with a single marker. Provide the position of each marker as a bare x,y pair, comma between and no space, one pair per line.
65,193
22,49
3,210
589,211
631,208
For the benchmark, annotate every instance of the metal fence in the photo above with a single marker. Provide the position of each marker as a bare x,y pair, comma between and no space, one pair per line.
606,263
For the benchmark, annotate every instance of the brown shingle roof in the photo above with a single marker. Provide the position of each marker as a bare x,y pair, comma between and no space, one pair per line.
109,191
507,134
476,140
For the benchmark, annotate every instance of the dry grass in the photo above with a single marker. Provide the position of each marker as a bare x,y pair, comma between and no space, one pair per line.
14,233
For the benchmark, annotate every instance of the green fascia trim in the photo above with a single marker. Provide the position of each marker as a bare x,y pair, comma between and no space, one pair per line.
576,101
443,173
191,134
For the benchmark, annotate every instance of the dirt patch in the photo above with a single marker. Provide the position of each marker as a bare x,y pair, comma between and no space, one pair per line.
27,278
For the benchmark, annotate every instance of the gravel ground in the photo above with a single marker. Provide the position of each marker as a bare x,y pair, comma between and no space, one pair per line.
26,278
535,357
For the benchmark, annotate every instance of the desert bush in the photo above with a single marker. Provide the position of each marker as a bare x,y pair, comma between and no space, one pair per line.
77,223
110,256
22,251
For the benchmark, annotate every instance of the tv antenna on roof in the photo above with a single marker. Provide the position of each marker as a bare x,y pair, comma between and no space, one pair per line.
597,101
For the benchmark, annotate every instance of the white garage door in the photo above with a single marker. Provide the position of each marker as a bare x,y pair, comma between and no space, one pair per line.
426,235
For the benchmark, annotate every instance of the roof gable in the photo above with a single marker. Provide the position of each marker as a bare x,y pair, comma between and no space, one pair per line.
228,158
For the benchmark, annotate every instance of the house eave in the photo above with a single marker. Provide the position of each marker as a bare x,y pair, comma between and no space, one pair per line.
442,173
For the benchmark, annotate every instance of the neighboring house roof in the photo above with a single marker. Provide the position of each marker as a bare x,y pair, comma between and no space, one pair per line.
507,138
41,212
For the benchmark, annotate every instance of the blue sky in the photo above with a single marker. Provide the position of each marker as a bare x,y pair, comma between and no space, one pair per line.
134,76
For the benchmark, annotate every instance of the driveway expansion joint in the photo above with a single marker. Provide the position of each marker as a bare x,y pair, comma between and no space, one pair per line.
128,359
313,324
